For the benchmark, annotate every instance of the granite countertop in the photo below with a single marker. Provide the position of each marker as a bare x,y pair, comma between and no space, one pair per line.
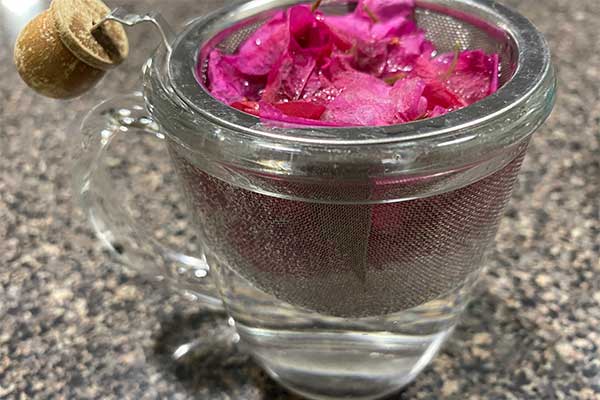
76,325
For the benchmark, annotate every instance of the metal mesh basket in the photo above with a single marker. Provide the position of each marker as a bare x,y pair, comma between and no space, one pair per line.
349,260
355,258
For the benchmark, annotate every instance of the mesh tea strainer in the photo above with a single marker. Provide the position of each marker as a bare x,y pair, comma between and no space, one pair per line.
355,221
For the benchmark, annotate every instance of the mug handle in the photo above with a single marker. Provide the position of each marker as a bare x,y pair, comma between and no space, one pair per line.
125,237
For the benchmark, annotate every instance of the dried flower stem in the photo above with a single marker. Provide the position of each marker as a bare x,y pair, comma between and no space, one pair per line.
454,63
392,79
316,5
371,14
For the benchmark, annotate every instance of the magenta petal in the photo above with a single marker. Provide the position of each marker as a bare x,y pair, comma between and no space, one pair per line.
309,35
413,44
301,109
388,9
289,78
430,68
394,27
337,64
226,83
350,26
313,84
364,100
359,25
476,76
264,47
437,111
407,95
406,50
438,94
319,89
428,49
250,107
269,112
473,76
370,57
359,81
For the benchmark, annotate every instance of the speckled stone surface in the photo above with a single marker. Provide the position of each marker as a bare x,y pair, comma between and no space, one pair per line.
75,325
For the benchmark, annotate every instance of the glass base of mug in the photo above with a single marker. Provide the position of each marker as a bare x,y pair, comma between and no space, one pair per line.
323,357
342,365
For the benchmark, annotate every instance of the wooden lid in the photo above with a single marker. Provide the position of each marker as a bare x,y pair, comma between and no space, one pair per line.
74,19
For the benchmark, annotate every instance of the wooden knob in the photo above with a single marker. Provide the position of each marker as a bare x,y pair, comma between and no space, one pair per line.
59,56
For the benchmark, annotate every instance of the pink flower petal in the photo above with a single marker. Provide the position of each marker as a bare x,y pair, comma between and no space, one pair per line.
250,107
350,27
371,67
405,50
388,9
364,100
393,27
319,89
227,83
259,53
437,94
407,95
301,109
392,20
288,79
437,111
370,57
269,112
473,76
310,36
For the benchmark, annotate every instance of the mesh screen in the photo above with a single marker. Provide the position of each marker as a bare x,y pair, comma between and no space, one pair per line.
349,260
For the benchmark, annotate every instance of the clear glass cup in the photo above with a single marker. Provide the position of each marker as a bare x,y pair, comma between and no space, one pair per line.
345,256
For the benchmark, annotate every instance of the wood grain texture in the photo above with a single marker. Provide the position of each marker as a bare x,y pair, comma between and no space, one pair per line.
47,66
74,20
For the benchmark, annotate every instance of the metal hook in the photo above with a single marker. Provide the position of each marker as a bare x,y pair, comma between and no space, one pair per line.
126,18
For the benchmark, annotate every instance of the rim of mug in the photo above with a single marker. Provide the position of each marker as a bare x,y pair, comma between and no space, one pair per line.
529,84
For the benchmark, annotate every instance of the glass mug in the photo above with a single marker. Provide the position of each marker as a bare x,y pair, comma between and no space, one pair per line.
345,256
